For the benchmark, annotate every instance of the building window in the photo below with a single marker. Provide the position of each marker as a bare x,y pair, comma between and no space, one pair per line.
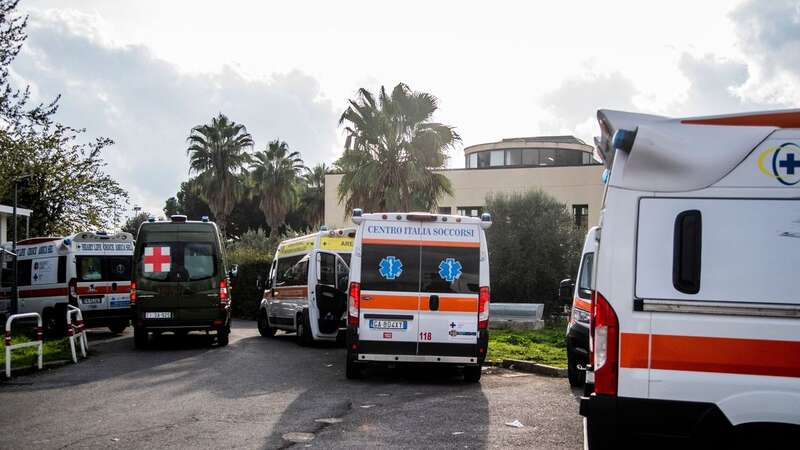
472,161
581,215
470,211
568,157
483,159
496,158
445,210
513,157
530,157
547,157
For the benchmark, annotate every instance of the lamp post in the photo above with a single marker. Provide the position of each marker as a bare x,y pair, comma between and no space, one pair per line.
15,291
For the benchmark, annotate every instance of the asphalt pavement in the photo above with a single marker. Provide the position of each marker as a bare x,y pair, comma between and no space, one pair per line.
272,393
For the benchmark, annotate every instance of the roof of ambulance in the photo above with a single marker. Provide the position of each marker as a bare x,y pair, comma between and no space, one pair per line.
690,153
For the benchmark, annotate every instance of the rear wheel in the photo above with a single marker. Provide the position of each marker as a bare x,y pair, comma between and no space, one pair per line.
118,327
140,337
304,337
263,325
353,370
472,374
577,377
223,336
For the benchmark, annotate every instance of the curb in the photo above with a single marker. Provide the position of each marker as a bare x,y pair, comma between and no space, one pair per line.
532,367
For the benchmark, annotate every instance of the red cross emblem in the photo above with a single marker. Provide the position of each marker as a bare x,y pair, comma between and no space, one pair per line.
156,259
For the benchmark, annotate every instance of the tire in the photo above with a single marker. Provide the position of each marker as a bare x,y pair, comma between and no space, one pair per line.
223,336
353,370
140,338
118,327
472,374
577,377
263,325
304,337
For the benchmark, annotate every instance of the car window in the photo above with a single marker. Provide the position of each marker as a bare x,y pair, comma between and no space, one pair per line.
585,279
342,274
386,267
451,270
156,261
118,268
327,268
90,268
283,275
198,260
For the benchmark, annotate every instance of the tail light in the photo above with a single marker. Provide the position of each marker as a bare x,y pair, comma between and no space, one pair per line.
223,292
483,308
133,293
72,292
605,348
354,304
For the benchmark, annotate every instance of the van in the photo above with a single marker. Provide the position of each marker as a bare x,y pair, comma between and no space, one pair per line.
419,291
306,288
578,325
90,270
695,322
180,280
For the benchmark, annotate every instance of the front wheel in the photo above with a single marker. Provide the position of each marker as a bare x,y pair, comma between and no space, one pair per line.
353,370
263,325
140,338
472,374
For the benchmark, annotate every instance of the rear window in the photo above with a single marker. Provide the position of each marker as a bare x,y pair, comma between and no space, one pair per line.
450,270
178,261
390,267
198,260
103,268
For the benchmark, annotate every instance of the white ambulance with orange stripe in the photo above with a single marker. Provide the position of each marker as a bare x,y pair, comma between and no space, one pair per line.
696,306
90,270
419,291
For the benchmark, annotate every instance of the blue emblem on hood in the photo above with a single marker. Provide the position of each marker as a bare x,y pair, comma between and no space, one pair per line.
390,268
449,269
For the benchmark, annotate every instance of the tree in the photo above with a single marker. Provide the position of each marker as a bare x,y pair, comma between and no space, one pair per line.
132,224
533,245
171,207
274,175
217,153
312,200
390,151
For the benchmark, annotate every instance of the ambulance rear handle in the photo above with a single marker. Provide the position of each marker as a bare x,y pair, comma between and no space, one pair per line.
433,303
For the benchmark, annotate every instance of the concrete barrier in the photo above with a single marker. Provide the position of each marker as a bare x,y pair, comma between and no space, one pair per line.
516,316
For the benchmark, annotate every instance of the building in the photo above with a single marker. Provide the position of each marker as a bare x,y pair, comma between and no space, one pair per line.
562,166
7,223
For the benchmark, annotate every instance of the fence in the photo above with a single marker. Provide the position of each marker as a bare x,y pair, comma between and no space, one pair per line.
37,343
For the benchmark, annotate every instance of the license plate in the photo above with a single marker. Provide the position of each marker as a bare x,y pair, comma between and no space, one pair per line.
388,324
120,302
91,300
158,315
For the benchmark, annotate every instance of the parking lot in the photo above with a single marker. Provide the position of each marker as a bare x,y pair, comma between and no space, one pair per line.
271,393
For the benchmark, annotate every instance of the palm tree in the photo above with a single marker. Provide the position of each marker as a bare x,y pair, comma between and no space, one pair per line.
217,154
274,174
313,197
391,149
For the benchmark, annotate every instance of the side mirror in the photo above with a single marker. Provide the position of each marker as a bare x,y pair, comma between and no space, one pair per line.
259,283
234,272
565,289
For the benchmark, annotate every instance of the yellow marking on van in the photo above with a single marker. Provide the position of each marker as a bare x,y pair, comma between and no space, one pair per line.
336,243
303,246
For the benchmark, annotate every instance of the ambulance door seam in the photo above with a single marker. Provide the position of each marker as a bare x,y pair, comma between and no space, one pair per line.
419,292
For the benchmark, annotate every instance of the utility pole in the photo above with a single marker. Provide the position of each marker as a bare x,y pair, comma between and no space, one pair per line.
15,290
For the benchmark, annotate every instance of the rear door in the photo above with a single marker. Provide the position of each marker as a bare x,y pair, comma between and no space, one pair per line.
201,270
159,286
448,307
390,281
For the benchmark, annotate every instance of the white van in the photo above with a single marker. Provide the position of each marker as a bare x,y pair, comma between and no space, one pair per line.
90,270
306,289
696,308
419,291
580,312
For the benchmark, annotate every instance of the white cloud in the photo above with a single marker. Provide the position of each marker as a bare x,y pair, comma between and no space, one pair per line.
148,106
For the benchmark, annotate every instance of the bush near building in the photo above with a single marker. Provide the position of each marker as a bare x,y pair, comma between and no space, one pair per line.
253,254
533,245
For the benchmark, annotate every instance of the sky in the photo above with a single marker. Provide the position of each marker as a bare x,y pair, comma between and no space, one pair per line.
143,73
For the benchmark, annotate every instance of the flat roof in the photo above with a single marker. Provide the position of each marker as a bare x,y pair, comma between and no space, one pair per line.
5,209
534,142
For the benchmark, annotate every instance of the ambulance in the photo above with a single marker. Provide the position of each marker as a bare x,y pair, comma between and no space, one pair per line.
419,291
695,321
90,270
306,288
578,325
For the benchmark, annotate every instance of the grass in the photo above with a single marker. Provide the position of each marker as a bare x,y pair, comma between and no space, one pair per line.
53,350
545,346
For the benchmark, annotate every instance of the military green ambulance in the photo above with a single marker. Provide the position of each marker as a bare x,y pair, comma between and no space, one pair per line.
180,280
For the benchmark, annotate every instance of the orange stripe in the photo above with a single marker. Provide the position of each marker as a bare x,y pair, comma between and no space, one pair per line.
786,119
399,302
712,354
283,292
423,243
582,304
452,304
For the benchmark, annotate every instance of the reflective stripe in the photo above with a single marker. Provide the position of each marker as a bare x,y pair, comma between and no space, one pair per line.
421,243
785,119
710,354
412,302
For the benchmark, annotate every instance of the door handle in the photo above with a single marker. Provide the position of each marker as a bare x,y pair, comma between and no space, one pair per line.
366,298
433,303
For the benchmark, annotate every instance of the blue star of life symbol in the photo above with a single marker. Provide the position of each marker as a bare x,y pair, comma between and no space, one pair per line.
391,268
449,269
